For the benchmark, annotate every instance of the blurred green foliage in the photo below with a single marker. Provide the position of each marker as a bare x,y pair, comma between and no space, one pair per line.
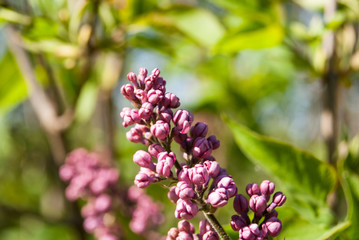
260,63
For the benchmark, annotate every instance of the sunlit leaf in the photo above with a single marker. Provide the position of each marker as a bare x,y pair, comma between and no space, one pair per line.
260,38
200,25
301,173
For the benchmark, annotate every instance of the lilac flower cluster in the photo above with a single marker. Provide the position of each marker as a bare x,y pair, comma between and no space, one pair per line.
146,214
259,203
156,126
186,231
91,180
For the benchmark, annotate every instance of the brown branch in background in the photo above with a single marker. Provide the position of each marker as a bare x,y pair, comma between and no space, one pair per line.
46,112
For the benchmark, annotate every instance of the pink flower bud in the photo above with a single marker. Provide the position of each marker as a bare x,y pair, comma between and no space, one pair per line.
172,234
108,236
215,143
185,209
254,229
129,116
204,227
142,158
229,185
252,189
155,149
154,96
240,204
142,180
160,130
155,72
198,174
273,226
165,114
141,95
258,204
128,91
267,188
185,226
202,148
136,134
67,172
131,76
212,167
91,223
165,163
103,203
172,194
210,235
141,76
170,101
279,198
200,129
184,190
183,120
246,234
184,236
160,84
237,222
218,197
183,174
146,110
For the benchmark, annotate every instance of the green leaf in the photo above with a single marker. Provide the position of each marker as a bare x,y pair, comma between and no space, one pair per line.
87,102
305,177
12,86
265,37
200,25
231,233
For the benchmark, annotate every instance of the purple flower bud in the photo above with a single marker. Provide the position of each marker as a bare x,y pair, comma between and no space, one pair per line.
183,120
165,114
184,236
146,110
279,198
267,188
141,76
183,174
160,129
202,148
240,204
255,229
160,84
258,204
135,135
141,95
204,227
142,158
237,222
229,185
246,234
185,226
273,226
128,91
172,234
184,190
91,223
67,172
200,129
185,209
154,96
170,101
215,143
179,137
142,180
198,174
210,235
252,189
218,197
212,167
165,163
172,194
131,76
129,116
155,149
102,203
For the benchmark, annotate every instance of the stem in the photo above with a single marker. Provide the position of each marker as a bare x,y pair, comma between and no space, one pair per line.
216,225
